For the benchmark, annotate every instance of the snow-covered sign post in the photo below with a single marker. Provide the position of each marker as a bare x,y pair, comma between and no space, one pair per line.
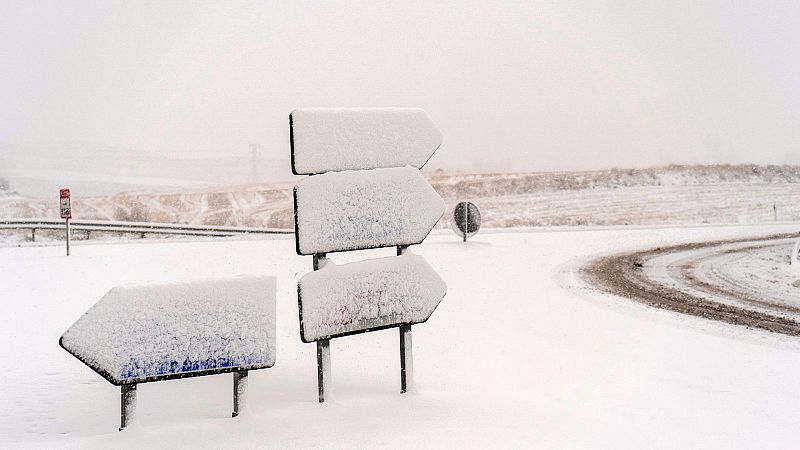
794,259
366,192
142,333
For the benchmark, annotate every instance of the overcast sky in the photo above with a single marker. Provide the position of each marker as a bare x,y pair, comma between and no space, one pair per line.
554,85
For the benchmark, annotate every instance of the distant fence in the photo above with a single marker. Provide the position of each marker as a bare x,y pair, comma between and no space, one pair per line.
142,228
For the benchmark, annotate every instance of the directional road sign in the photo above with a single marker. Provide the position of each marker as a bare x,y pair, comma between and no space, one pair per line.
367,296
354,210
142,333
366,192
335,139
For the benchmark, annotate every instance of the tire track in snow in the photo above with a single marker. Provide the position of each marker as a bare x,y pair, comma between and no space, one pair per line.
681,290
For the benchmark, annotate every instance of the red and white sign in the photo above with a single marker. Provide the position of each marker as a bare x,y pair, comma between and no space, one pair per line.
66,207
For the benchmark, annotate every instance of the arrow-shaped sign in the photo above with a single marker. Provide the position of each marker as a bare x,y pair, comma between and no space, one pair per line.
335,139
370,194
136,334
352,210
367,296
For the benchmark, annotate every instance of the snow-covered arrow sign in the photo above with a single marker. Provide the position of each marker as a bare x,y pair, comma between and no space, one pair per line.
326,139
363,209
366,192
367,295
143,333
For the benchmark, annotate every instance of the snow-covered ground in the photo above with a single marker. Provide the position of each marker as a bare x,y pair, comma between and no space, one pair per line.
520,353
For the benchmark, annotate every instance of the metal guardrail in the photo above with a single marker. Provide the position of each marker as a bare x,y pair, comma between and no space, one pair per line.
135,227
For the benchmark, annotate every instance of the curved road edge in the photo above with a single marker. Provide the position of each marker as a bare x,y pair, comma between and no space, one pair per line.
623,275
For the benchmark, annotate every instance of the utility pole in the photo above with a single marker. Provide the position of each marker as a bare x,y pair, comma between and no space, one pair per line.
255,152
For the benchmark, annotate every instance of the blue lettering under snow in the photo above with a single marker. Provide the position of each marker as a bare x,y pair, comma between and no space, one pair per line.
144,369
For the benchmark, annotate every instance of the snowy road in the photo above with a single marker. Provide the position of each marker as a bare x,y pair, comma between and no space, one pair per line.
745,281
520,353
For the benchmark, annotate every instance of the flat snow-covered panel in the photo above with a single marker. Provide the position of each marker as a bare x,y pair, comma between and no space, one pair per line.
139,333
335,139
345,299
354,210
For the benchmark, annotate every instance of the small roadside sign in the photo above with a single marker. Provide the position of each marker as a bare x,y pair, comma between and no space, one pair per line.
466,220
66,207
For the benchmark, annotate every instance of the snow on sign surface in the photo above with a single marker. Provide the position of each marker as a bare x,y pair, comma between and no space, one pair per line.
140,333
336,139
338,300
354,210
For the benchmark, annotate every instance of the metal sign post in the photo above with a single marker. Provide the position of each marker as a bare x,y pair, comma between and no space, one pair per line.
466,220
365,192
127,405
66,211
406,358
239,392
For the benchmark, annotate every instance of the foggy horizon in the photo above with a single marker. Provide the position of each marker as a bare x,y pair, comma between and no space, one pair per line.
538,87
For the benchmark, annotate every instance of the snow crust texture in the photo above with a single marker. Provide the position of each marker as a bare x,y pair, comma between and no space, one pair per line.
336,139
341,299
354,210
146,332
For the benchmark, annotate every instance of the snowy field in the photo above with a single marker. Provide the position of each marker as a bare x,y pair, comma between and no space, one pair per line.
520,353
682,195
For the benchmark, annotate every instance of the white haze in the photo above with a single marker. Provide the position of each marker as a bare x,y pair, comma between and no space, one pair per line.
512,85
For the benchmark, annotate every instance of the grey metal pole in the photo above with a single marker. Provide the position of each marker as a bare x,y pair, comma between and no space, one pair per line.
466,221
127,405
318,259
406,360
68,234
323,367
239,392
33,234
323,349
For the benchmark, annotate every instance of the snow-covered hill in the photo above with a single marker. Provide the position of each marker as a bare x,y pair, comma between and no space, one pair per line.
669,195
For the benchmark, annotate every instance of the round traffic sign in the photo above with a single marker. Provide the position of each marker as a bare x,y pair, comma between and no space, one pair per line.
466,219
